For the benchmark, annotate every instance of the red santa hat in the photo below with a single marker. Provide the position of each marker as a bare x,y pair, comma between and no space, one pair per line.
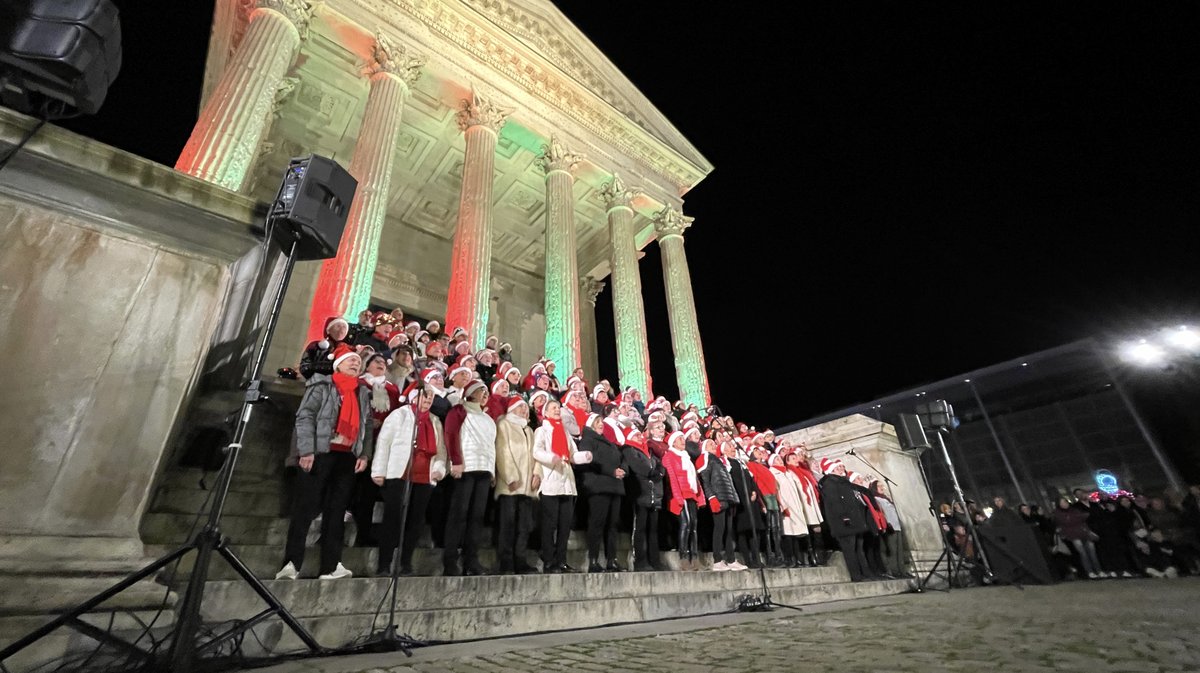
457,331
341,353
776,461
396,339
413,324
515,401
599,388
335,319
431,373
590,419
829,464
473,386
462,348
496,384
429,325
459,369
540,393
502,371
672,437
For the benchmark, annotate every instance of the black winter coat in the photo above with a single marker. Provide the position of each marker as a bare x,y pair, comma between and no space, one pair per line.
845,514
716,480
644,477
693,449
606,458
750,513
316,359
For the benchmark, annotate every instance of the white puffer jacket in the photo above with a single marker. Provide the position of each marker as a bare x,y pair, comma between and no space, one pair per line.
478,440
394,443
556,480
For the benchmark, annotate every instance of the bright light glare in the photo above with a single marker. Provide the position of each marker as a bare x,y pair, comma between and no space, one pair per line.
1143,353
1184,338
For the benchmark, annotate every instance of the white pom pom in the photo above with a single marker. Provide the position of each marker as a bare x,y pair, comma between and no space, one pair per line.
323,344
329,357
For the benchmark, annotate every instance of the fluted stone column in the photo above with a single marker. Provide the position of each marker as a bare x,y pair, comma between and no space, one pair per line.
225,140
471,260
681,308
562,275
629,316
589,350
344,284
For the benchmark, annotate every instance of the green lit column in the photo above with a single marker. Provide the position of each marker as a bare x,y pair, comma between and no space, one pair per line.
562,276
629,316
467,303
344,284
681,308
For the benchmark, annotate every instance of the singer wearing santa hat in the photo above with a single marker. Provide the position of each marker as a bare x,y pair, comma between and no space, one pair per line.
846,516
517,482
334,439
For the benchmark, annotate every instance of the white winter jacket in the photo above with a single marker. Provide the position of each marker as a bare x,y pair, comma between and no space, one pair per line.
791,500
395,441
556,480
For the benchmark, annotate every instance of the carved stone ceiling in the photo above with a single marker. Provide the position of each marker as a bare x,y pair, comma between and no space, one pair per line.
323,114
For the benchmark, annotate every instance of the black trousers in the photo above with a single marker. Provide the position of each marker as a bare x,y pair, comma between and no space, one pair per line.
324,490
723,535
852,551
558,512
515,523
393,512
873,550
464,519
774,537
604,511
362,507
645,536
747,548
689,548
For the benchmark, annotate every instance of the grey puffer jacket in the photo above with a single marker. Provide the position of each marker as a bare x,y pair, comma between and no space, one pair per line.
317,417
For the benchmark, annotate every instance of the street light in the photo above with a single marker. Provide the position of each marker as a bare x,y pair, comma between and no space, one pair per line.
1144,353
1183,338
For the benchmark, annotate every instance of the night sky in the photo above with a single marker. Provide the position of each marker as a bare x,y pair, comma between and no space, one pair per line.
900,193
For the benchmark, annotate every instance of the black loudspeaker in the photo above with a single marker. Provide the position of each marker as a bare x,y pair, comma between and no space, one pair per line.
911,433
52,51
1016,554
936,414
314,201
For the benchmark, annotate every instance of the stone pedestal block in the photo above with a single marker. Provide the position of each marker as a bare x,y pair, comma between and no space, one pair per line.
875,443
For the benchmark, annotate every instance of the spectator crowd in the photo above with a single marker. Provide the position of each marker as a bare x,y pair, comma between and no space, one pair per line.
449,438
1096,535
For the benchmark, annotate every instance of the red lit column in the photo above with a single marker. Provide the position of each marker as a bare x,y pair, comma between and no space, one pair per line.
471,260
344,284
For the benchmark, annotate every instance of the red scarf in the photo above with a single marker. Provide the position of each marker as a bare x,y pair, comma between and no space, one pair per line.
639,444
558,438
348,417
806,477
426,435
581,416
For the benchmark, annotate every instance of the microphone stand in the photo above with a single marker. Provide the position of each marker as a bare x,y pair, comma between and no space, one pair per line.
390,639
906,551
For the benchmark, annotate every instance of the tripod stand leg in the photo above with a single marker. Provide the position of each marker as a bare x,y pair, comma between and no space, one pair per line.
264,593
71,618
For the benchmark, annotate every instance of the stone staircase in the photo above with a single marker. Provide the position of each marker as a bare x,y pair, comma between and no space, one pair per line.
433,607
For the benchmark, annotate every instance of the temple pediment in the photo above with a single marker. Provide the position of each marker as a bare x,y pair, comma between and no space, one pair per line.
543,28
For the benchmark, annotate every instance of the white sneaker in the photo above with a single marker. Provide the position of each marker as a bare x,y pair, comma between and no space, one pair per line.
1154,572
1112,576
720,566
738,566
1171,573
338,573
288,572
1126,573
1092,576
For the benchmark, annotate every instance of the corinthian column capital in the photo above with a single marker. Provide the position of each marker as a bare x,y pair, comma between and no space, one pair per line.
615,193
556,157
299,12
590,288
482,111
392,58
671,222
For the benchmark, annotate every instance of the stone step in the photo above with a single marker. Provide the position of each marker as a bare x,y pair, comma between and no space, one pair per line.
67,642
338,612
264,561
189,500
243,482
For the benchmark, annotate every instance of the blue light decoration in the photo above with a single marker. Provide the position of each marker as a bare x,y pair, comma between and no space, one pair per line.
1107,481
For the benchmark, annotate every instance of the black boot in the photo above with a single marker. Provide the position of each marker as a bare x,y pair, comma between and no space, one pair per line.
594,566
614,567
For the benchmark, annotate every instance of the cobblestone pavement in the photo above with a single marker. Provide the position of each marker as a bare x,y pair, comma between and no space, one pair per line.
1112,626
